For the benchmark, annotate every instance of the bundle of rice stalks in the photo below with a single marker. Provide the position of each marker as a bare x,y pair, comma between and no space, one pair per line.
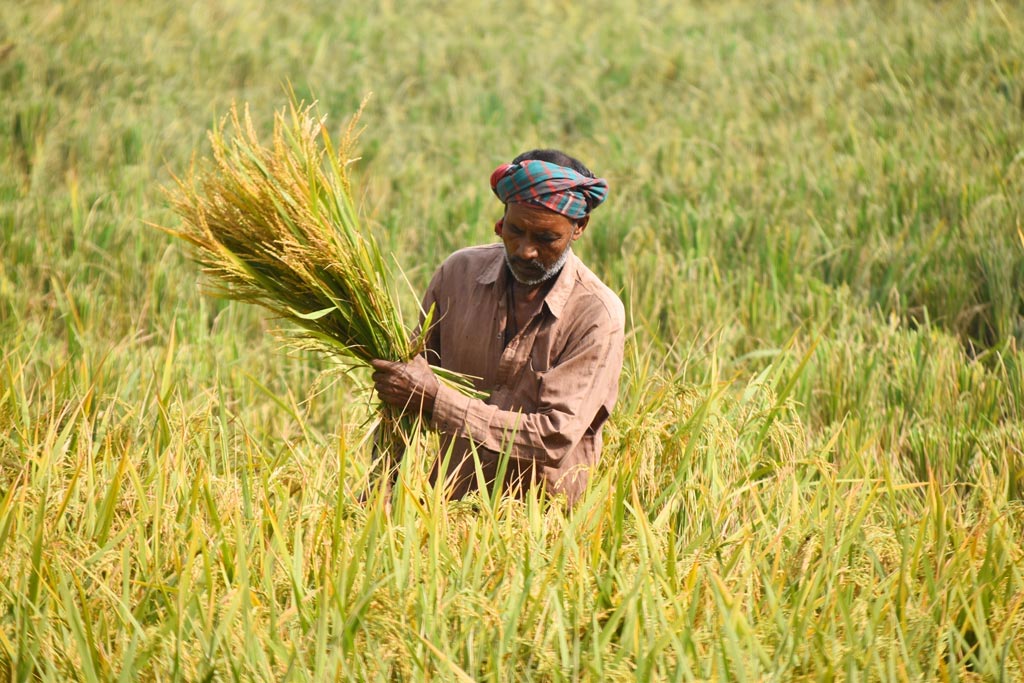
276,226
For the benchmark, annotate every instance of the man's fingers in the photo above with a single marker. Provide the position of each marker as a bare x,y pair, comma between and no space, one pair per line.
384,370
400,384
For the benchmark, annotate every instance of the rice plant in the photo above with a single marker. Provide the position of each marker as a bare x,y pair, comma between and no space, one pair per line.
275,225
814,471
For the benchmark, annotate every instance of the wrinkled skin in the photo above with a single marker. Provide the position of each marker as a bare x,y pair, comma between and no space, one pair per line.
536,240
406,384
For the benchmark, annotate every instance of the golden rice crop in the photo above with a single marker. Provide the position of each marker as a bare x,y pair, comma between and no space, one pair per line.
275,225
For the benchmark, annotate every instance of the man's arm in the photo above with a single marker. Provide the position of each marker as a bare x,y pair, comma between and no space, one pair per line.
574,394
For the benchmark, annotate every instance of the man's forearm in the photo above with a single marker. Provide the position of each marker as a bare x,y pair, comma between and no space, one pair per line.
544,437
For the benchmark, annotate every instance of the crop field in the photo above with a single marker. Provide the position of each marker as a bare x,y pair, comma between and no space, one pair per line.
815,469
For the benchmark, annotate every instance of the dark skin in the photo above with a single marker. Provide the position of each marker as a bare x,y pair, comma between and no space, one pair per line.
534,238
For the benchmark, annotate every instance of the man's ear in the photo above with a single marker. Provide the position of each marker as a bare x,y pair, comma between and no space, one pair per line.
581,225
501,223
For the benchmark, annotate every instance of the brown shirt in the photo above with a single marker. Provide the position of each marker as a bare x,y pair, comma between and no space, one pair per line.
551,388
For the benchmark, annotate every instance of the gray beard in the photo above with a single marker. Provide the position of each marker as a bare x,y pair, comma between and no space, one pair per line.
548,273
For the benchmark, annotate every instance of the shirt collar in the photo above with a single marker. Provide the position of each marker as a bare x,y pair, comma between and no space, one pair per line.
556,297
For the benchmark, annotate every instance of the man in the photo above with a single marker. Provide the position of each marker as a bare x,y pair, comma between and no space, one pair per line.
540,330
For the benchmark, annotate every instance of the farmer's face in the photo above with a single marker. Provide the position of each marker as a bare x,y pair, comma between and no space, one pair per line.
537,241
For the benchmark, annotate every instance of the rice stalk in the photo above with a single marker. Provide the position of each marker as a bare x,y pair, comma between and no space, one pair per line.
275,225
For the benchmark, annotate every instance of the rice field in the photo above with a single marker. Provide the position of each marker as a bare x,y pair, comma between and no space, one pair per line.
815,471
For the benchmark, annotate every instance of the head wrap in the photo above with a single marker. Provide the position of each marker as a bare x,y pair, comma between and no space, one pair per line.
555,187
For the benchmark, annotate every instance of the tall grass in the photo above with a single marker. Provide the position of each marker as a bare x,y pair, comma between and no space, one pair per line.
814,471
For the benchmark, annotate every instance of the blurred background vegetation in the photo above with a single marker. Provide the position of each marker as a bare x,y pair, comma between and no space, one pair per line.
815,223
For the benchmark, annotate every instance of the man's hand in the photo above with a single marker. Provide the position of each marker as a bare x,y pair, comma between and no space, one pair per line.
411,384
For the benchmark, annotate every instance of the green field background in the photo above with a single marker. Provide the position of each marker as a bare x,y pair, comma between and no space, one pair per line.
815,471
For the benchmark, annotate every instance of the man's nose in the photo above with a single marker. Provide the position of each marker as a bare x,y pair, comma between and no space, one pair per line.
527,251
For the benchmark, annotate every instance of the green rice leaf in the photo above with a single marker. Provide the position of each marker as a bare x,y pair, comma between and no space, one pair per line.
315,315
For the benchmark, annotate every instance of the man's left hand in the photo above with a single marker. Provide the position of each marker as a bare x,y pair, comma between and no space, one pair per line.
410,384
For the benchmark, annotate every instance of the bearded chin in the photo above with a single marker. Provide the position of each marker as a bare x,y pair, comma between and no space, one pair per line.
548,273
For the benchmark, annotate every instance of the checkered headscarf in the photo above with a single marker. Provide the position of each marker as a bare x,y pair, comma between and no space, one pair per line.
555,187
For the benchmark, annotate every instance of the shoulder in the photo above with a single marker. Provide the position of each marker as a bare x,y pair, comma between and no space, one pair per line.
478,254
472,260
596,299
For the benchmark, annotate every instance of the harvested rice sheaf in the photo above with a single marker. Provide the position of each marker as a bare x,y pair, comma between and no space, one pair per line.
275,225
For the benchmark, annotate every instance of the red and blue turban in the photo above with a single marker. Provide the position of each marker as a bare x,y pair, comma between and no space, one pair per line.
555,187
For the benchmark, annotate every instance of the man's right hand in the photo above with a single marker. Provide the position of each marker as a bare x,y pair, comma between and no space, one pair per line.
404,385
